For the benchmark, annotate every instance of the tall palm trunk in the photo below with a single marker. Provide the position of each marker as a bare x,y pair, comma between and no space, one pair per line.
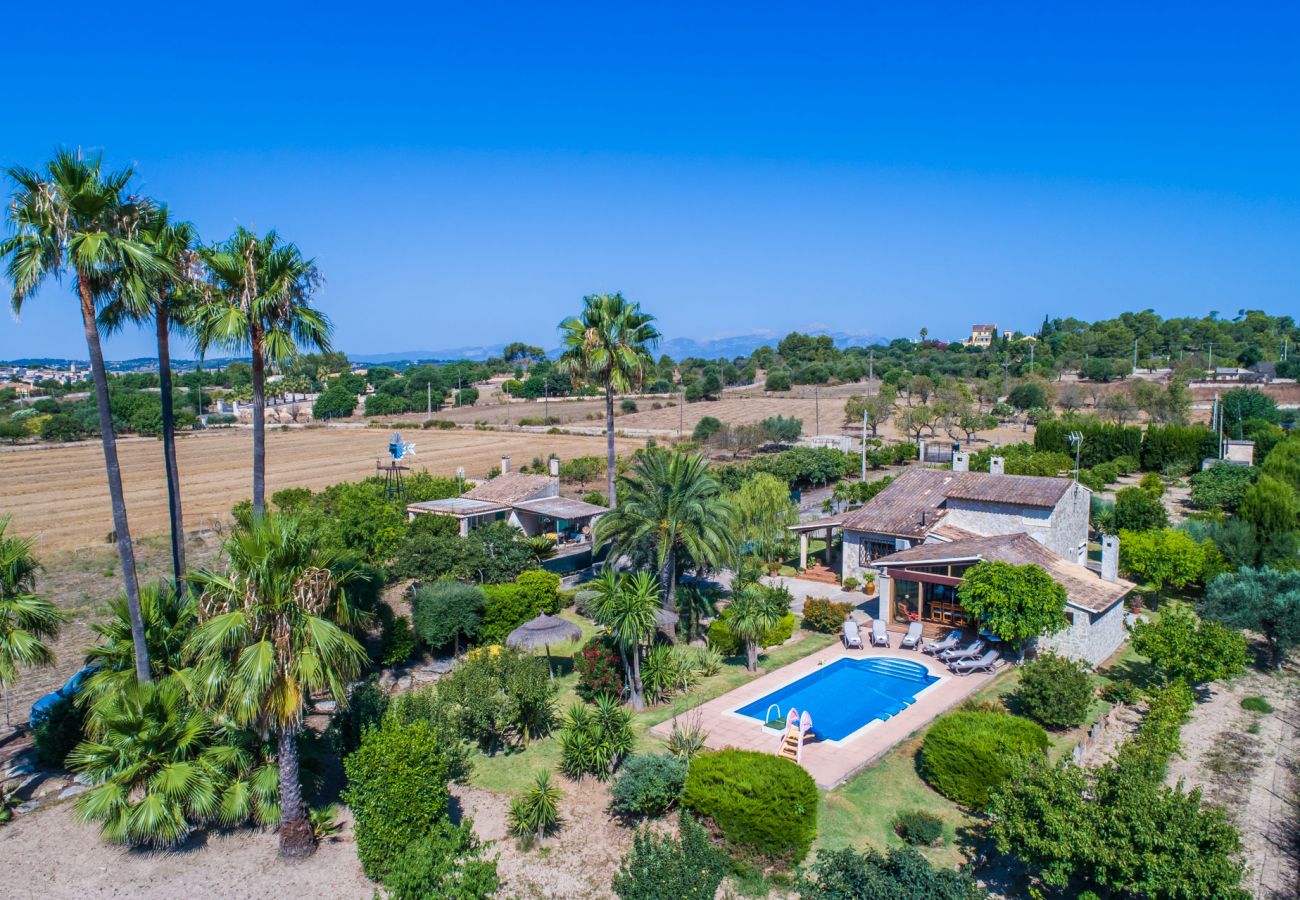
259,425
751,653
296,837
609,440
638,703
109,441
668,579
169,449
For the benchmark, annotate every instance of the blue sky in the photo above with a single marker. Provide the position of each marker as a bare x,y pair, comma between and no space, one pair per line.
464,173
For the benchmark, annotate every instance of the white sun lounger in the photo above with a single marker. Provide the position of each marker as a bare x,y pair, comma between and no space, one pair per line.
851,636
879,635
947,642
970,651
912,639
984,664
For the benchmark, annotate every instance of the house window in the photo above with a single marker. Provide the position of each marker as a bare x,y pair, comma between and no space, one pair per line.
870,551
1069,617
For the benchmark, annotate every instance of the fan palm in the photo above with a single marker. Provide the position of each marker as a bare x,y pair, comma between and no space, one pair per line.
168,298
261,291
754,609
161,765
75,217
27,620
168,615
609,345
626,605
673,511
268,636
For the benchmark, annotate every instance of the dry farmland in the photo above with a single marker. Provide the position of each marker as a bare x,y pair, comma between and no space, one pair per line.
59,494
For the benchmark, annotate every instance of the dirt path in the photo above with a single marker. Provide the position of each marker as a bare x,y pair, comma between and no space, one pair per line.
1246,762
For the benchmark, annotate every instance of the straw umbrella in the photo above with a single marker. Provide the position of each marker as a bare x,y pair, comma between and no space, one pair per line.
542,632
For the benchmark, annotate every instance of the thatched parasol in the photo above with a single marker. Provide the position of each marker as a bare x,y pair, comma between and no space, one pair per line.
542,632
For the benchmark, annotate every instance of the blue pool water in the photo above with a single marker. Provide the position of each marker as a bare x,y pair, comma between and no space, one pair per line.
847,694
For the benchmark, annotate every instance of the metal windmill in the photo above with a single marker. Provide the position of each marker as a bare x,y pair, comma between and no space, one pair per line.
394,482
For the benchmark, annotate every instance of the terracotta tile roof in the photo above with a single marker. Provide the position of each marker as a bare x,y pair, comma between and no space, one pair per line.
510,488
1084,588
953,533
913,504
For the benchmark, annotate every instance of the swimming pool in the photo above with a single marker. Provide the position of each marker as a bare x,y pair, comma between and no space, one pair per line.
847,694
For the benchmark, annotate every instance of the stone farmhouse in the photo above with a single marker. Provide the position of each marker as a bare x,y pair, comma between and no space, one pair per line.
919,535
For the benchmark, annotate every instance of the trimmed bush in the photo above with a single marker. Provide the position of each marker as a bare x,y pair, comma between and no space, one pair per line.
446,863
649,785
919,827
505,608
759,802
58,732
825,616
542,590
967,754
444,612
397,790
1055,691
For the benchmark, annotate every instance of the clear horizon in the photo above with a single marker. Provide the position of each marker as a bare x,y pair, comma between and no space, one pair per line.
466,178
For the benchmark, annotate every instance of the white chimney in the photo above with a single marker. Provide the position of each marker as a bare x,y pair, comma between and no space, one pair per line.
1110,558
920,455
961,461
555,467
505,465
997,465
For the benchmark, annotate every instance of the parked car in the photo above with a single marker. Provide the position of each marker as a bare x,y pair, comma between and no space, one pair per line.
42,707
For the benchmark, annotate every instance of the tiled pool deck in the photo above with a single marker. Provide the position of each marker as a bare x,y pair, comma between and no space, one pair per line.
832,763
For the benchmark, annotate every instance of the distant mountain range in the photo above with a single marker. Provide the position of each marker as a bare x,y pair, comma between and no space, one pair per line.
677,348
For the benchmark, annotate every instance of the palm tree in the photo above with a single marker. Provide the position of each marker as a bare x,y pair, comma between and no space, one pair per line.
673,515
75,217
169,299
261,290
169,616
268,636
626,605
754,609
27,620
609,345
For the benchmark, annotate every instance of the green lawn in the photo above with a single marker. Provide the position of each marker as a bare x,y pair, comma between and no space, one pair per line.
512,772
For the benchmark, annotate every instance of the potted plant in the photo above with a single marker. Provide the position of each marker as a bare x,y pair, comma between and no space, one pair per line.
850,583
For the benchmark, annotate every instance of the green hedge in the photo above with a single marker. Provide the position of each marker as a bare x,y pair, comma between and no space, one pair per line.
1177,446
759,802
1102,441
967,754
397,790
726,643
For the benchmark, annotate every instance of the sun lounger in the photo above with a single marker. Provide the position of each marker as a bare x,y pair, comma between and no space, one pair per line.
947,642
912,639
970,651
879,636
984,664
852,637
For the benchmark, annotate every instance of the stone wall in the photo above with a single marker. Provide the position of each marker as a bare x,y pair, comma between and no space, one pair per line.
1093,637
1063,529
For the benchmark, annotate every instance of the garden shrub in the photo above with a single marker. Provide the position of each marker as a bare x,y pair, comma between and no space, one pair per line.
967,754
600,674
919,827
1121,691
1158,737
665,670
365,709
397,641
1153,484
825,616
777,380
689,868
541,589
593,741
505,608
397,790
706,428
444,612
535,813
499,694
649,785
725,642
902,874
1177,447
61,729
1221,486
759,802
1055,691
447,862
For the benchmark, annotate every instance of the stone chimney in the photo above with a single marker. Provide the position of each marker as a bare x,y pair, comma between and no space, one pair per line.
961,461
997,465
1110,557
555,467
505,465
